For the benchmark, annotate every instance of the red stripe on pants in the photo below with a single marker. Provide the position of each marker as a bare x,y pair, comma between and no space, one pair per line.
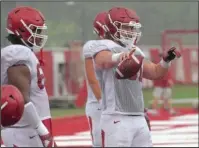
91,127
48,125
103,138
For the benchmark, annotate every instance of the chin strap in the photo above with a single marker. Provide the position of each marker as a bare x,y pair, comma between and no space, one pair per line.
41,58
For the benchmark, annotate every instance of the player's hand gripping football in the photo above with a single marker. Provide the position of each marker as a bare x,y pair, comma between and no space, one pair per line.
126,55
129,65
171,54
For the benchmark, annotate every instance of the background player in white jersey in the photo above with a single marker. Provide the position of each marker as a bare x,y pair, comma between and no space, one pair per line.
93,108
21,68
122,120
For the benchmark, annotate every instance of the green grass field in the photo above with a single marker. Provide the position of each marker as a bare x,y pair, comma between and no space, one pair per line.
179,92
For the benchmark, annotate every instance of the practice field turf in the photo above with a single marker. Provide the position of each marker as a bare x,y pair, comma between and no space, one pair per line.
179,92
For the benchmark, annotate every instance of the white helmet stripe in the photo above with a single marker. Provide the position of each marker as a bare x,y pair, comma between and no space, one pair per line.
4,105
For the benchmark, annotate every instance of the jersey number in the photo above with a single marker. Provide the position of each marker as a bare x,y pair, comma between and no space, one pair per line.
40,77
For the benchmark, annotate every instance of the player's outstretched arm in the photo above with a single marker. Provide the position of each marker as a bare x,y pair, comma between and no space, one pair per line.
91,77
157,71
153,71
107,59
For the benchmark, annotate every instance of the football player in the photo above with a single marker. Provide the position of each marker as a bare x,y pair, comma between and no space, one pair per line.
93,108
122,120
20,67
163,91
93,111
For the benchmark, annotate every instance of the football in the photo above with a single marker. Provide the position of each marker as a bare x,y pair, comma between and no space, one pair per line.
129,67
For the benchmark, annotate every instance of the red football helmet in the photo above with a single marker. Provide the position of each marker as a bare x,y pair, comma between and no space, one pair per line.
29,25
99,24
123,25
12,105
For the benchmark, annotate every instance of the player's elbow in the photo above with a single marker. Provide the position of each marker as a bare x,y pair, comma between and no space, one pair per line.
99,62
108,65
92,81
103,64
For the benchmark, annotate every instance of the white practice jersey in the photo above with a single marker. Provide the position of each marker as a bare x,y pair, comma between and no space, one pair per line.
16,55
89,50
122,96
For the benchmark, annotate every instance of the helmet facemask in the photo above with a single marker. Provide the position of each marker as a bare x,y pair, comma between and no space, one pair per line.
127,33
37,38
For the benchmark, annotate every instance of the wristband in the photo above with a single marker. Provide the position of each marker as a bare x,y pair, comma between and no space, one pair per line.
165,64
116,57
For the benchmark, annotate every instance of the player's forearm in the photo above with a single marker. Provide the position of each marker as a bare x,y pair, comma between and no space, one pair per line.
160,71
154,71
157,71
96,89
33,119
42,127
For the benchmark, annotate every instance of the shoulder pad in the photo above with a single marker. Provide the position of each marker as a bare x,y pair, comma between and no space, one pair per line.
92,47
15,54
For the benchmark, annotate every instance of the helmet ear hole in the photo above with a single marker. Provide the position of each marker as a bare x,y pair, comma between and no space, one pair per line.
17,11
11,96
21,30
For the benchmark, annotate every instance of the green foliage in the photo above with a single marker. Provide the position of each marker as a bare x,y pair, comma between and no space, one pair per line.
69,22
